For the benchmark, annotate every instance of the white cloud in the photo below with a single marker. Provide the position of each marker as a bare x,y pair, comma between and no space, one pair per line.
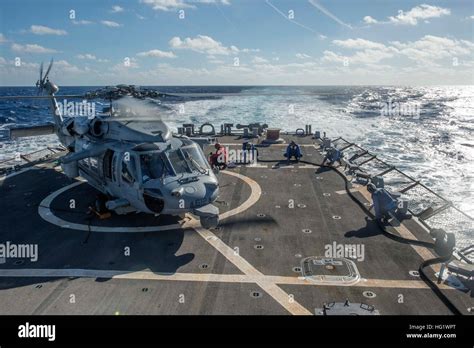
111,24
3,39
82,22
202,44
302,56
117,9
156,53
42,30
430,48
171,5
125,66
259,60
425,51
88,56
322,37
370,20
421,12
31,48
359,44
64,66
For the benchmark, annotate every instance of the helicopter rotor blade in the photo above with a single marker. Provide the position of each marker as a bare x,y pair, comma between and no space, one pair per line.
48,70
42,96
41,72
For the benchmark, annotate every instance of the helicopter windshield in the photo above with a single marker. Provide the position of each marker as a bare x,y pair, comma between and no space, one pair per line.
195,158
188,159
154,166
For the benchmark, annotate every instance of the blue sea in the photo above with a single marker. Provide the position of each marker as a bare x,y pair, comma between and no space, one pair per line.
428,132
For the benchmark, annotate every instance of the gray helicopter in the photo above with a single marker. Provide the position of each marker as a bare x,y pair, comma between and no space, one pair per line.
133,159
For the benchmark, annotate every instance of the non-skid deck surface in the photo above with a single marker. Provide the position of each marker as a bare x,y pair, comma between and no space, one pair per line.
251,264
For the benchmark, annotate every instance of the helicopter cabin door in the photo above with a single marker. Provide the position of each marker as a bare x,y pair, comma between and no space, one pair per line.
128,175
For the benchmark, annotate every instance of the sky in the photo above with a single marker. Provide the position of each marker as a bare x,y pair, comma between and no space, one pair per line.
238,42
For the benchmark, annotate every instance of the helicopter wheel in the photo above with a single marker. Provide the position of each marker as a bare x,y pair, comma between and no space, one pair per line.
210,222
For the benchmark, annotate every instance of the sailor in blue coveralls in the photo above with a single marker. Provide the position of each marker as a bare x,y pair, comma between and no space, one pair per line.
293,150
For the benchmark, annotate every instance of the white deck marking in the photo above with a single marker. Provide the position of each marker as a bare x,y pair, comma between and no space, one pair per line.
202,277
44,210
242,264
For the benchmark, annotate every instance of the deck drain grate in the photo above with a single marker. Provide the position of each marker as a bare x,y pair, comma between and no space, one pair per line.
297,269
39,286
204,266
306,230
144,289
369,294
336,217
258,247
325,194
257,239
414,273
319,178
301,205
261,215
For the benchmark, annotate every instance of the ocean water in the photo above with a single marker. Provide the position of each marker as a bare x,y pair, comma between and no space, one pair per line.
428,132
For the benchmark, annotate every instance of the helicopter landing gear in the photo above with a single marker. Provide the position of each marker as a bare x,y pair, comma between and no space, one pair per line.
209,222
99,208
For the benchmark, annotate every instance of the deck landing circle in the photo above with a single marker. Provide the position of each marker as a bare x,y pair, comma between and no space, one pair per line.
44,210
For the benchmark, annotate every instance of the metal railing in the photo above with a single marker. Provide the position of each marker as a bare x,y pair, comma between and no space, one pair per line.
432,210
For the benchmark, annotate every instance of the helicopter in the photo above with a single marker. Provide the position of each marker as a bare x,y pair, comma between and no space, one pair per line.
132,158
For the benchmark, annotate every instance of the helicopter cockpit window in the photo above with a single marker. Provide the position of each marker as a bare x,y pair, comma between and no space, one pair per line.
195,158
129,169
178,162
153,166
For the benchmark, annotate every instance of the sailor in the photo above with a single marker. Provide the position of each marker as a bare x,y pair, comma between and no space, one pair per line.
383,202
219,159
333,155
293,150
250,152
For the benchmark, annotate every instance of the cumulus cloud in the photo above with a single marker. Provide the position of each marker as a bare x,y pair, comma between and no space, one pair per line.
302,56
111,24
117,9
259,60
421,12
172,5
202,44
370,20
88,56
412,17
82,22
31,48
43,30
157,54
